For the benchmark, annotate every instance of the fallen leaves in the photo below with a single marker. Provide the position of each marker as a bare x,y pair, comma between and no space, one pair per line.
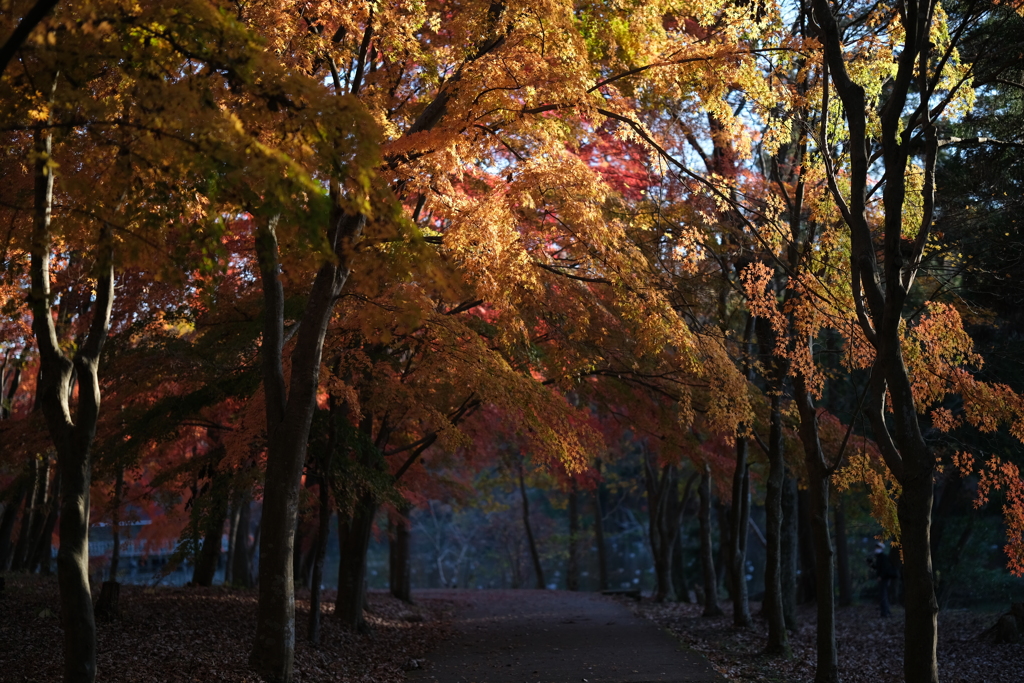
183,635
870,648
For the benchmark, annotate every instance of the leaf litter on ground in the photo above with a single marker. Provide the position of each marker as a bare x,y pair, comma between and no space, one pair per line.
186,635
870,649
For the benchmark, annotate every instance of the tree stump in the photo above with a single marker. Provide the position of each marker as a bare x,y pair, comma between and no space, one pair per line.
107,607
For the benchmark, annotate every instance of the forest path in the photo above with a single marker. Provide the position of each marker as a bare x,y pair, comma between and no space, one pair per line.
534,636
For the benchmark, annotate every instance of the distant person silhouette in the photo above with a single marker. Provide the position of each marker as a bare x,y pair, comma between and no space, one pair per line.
886,572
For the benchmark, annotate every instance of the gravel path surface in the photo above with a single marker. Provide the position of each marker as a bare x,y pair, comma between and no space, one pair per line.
533,636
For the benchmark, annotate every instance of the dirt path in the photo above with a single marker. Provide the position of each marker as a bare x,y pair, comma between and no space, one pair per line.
532,636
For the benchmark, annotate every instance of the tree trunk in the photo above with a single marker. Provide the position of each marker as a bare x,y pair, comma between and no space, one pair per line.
72,433
289,416
818,483
399,565
707,553
921,628
23,548
538,571
778,641
241,560
808,586
572,569
209,556
115,525
353,542
602,551
7,521
740,519
843,554
790,552
320,552
680,585
661,485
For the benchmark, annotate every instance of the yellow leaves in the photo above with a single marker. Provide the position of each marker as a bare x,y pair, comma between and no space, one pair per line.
883,489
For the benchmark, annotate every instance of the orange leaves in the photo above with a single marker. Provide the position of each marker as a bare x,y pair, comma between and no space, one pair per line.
1005,477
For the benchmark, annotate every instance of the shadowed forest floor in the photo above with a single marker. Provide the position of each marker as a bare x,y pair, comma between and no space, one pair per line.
870,648
179,635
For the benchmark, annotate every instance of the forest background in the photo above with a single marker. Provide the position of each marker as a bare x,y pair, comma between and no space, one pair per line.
265,264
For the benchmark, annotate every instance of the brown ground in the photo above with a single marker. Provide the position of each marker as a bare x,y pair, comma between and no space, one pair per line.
870,648
179,635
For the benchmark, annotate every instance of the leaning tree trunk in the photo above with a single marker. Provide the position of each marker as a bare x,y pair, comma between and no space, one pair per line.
818,482
399,555
289,416
538,571
72,433
740,519
707,553
353,542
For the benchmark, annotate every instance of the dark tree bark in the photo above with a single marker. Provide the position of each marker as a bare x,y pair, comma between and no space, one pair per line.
23,30
289,416
739,520
23,548
680,584
662,485
808,585
881,288
818,482
353,541
602,551
790,556
320,551
241,559
843,554
572,569
400,576
778,641
7,522
707,553
72,432
538,571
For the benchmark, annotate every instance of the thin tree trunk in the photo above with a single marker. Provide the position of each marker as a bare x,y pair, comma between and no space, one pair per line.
115,555
241,570
818,484
229,562
572,570
778,641
400,577
7,521
602,551
808,580
538,571
320,552
789,558
843,554
680,585
740,518
44,545
707,553
23,547
354,541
